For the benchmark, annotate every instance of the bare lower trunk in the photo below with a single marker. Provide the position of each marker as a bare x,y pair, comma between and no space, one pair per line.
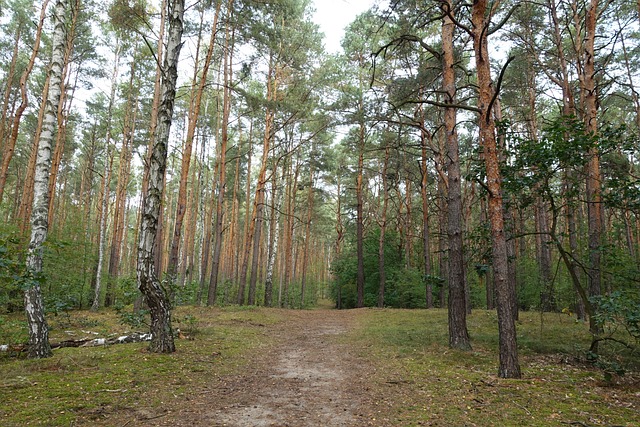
194,113
222,168
426,238
274,232
307,234
34,307
594,192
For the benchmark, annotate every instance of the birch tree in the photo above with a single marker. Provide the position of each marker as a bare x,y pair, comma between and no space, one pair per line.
34,306
148,282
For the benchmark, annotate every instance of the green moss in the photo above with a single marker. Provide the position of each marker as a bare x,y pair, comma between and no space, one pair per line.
444,387
87,384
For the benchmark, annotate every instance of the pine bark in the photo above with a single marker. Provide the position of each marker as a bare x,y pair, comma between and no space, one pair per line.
594,191
106,178
458,333
261,189
9,148
426,238
307,232
194,114
115,253
360,218
508,350
383,228
222,165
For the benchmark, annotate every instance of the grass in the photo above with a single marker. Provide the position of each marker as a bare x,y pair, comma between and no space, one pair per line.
416,380
444,387
88,385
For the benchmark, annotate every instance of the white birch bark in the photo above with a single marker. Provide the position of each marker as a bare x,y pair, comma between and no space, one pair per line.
38,330
103,230
148,282
274,233
107,174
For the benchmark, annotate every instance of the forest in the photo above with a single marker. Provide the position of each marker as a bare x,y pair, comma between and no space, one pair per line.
457,155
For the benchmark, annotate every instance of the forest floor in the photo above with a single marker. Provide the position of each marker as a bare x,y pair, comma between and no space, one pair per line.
247,366
307,376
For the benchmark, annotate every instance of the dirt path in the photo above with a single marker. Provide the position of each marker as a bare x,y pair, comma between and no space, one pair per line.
309,378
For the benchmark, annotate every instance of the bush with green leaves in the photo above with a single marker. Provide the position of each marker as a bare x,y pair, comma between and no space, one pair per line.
618,315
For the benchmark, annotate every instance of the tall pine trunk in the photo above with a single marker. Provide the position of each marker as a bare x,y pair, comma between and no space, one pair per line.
508,350
9,147
458,333
194,114
594,191
382,277
222,165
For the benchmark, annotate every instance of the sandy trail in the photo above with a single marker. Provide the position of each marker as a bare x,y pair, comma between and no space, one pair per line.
309,378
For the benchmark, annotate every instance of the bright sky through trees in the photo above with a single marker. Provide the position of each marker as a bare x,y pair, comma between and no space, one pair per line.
334,15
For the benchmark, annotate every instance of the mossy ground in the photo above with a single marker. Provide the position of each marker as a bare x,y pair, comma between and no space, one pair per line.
79,386
415,379
434,385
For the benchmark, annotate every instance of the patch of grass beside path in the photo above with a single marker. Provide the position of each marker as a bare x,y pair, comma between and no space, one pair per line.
98,385
422,382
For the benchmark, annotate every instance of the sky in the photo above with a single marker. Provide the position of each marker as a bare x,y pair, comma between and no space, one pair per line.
334,15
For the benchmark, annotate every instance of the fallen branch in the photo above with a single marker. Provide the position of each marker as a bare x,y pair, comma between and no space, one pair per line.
85,342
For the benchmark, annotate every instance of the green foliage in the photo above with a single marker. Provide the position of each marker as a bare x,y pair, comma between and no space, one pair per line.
13,330
619,312
188,324
11,270
404,287
186,294
134,319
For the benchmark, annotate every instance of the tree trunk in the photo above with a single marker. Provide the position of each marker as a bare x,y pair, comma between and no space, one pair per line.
222,165
458,333
594,192
307,232
360,219
339,229
509,367
6,100
148,283
248,228
259,197
426,244
38,330
119,219
194,114
9,147
106,178
274,231
289,241
547,298
383,227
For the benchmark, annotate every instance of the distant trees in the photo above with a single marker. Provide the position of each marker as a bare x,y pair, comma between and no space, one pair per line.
413,170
